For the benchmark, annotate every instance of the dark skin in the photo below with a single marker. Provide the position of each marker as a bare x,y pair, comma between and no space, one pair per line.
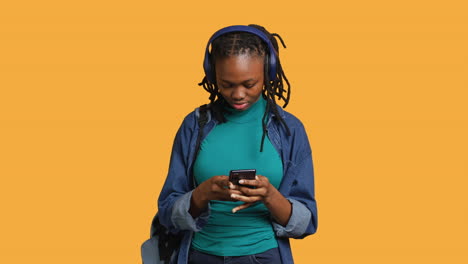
240,82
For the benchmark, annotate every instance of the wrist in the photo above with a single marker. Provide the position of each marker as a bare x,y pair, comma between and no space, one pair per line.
197,203
272,195
199,197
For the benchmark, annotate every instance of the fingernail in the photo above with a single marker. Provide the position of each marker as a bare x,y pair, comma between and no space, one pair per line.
231,186
234,211
241,181
256,177
233,195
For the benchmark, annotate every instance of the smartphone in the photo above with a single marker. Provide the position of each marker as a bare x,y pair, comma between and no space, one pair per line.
236,175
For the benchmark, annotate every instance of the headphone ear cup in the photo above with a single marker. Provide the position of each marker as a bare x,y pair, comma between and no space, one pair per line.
272,63
267,68
208,67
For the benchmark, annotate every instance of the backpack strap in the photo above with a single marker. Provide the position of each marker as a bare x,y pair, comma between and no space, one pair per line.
202,120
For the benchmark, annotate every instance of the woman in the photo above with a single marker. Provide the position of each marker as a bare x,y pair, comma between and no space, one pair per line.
245,129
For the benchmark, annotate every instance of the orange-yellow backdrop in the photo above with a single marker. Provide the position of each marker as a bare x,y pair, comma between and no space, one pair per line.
92,93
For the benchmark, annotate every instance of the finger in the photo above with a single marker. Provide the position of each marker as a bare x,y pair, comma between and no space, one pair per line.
259,191
253,184
249,182
222,181
221,177
235,192
240,207
233,186
260,177
226,195
247,199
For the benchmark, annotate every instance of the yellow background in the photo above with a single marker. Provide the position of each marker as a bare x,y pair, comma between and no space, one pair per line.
92,93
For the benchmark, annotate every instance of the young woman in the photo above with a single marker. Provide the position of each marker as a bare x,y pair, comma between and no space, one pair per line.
245,129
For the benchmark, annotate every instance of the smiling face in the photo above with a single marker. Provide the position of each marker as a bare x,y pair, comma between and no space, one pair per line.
240,79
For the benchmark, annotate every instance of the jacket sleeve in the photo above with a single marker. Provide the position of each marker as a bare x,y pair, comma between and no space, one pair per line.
175,196
301,194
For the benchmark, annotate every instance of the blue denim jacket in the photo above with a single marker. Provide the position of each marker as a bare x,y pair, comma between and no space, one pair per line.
297,184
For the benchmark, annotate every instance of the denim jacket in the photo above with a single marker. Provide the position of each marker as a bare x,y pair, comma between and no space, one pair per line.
297,184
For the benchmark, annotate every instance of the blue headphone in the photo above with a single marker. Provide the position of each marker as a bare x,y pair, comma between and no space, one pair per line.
271,59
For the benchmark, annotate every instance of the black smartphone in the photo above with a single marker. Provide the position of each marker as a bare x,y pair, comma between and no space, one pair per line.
236,175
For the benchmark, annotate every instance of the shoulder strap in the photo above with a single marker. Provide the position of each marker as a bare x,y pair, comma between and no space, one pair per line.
202,120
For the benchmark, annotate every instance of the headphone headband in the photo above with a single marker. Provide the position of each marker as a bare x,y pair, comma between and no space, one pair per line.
271,53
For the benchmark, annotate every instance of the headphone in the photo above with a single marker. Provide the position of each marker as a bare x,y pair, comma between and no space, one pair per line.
271,56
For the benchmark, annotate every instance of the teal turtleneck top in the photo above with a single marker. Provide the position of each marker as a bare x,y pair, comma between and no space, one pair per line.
230,146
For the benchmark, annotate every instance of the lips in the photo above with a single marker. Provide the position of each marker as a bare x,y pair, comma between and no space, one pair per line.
240,106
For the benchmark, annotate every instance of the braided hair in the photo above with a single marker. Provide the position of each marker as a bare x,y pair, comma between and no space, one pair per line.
239,43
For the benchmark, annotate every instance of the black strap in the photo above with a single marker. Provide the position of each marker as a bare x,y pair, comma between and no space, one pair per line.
202,120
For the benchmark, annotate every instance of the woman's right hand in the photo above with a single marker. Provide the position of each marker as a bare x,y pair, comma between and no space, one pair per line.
215,188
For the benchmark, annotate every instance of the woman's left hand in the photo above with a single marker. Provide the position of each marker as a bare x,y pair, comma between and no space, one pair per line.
279,207
262,192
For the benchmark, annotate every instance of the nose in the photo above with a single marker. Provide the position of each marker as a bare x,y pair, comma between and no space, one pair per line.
238,93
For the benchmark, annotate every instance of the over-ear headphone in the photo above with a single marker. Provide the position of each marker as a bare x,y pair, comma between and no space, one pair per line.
271,56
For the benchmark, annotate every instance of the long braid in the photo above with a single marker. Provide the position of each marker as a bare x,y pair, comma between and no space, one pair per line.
237,43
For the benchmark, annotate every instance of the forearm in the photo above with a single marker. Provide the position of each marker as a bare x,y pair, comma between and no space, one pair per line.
279,207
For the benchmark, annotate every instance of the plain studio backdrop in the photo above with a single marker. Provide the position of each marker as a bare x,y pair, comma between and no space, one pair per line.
93,92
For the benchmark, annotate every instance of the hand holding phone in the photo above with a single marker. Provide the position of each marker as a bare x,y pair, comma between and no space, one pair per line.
236,175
